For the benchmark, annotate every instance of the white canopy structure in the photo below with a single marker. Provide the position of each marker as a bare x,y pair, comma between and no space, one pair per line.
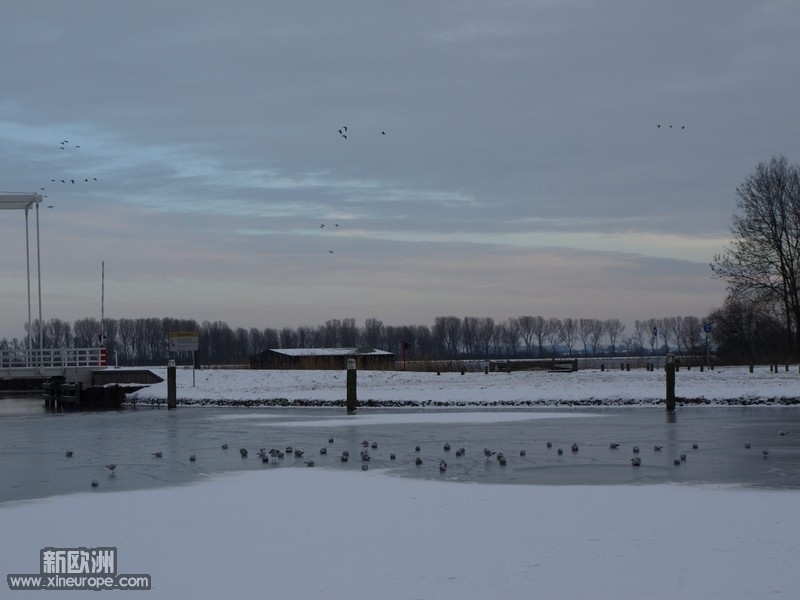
21,201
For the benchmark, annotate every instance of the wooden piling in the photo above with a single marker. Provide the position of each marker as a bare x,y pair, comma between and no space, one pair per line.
351,386
172,388
670,375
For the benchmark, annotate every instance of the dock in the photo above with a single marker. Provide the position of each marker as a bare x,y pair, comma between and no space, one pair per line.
71,378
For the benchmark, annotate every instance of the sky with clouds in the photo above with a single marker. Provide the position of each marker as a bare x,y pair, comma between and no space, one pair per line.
502,158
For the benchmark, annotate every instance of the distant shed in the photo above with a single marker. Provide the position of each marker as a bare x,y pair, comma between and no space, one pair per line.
322,358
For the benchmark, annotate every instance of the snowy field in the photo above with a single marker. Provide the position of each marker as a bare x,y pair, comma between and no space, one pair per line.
724,385
312,533
302,533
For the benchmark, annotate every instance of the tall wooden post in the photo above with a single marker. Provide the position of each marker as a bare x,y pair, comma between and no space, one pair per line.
351,386
670,371
172,388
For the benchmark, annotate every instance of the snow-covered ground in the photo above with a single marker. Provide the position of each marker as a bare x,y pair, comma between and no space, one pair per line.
724,385
312,533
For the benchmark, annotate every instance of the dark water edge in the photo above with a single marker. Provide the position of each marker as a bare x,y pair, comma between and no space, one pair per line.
33,445
587,403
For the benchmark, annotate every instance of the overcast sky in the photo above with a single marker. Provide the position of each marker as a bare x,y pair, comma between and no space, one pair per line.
522,169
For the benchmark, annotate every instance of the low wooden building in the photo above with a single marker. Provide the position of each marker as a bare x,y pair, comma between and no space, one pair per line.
322,358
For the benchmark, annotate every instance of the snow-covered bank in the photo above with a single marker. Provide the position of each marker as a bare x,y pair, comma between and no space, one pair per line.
312,533
723,386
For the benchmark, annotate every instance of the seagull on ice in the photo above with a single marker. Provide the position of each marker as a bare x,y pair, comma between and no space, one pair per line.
224,446
158,454
94,483
70,453
111,467
636,461
442,466
192,458
613,445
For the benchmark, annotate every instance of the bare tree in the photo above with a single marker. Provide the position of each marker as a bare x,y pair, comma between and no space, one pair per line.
641,332
540,328
469,335
553,335
585,333
598,331
690,332
374,333
526,325
569,333
614,328
485,333
763,260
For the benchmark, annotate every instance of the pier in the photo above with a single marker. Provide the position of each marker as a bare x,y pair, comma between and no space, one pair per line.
71,378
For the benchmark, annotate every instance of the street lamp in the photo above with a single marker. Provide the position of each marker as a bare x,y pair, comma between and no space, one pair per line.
14,201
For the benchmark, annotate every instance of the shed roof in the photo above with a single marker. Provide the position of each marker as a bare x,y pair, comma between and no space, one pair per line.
330,352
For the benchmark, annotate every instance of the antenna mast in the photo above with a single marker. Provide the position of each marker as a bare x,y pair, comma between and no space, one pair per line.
102,303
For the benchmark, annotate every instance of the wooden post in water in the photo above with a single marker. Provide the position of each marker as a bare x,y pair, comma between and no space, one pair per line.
351,386
670,371
172,388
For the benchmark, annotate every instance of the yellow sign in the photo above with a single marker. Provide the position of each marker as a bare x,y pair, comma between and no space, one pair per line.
183,341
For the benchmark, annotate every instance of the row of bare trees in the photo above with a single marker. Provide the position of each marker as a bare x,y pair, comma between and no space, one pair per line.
146,340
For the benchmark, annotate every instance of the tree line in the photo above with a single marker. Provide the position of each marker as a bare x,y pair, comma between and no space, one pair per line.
146,340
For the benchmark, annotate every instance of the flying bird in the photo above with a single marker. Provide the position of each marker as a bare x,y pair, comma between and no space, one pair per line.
112,467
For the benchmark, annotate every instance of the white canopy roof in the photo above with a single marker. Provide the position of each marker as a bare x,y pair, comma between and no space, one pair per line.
13,201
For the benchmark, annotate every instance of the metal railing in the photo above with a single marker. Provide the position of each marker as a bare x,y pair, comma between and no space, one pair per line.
52,357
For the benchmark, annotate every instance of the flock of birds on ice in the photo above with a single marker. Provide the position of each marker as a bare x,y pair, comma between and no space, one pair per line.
276,455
